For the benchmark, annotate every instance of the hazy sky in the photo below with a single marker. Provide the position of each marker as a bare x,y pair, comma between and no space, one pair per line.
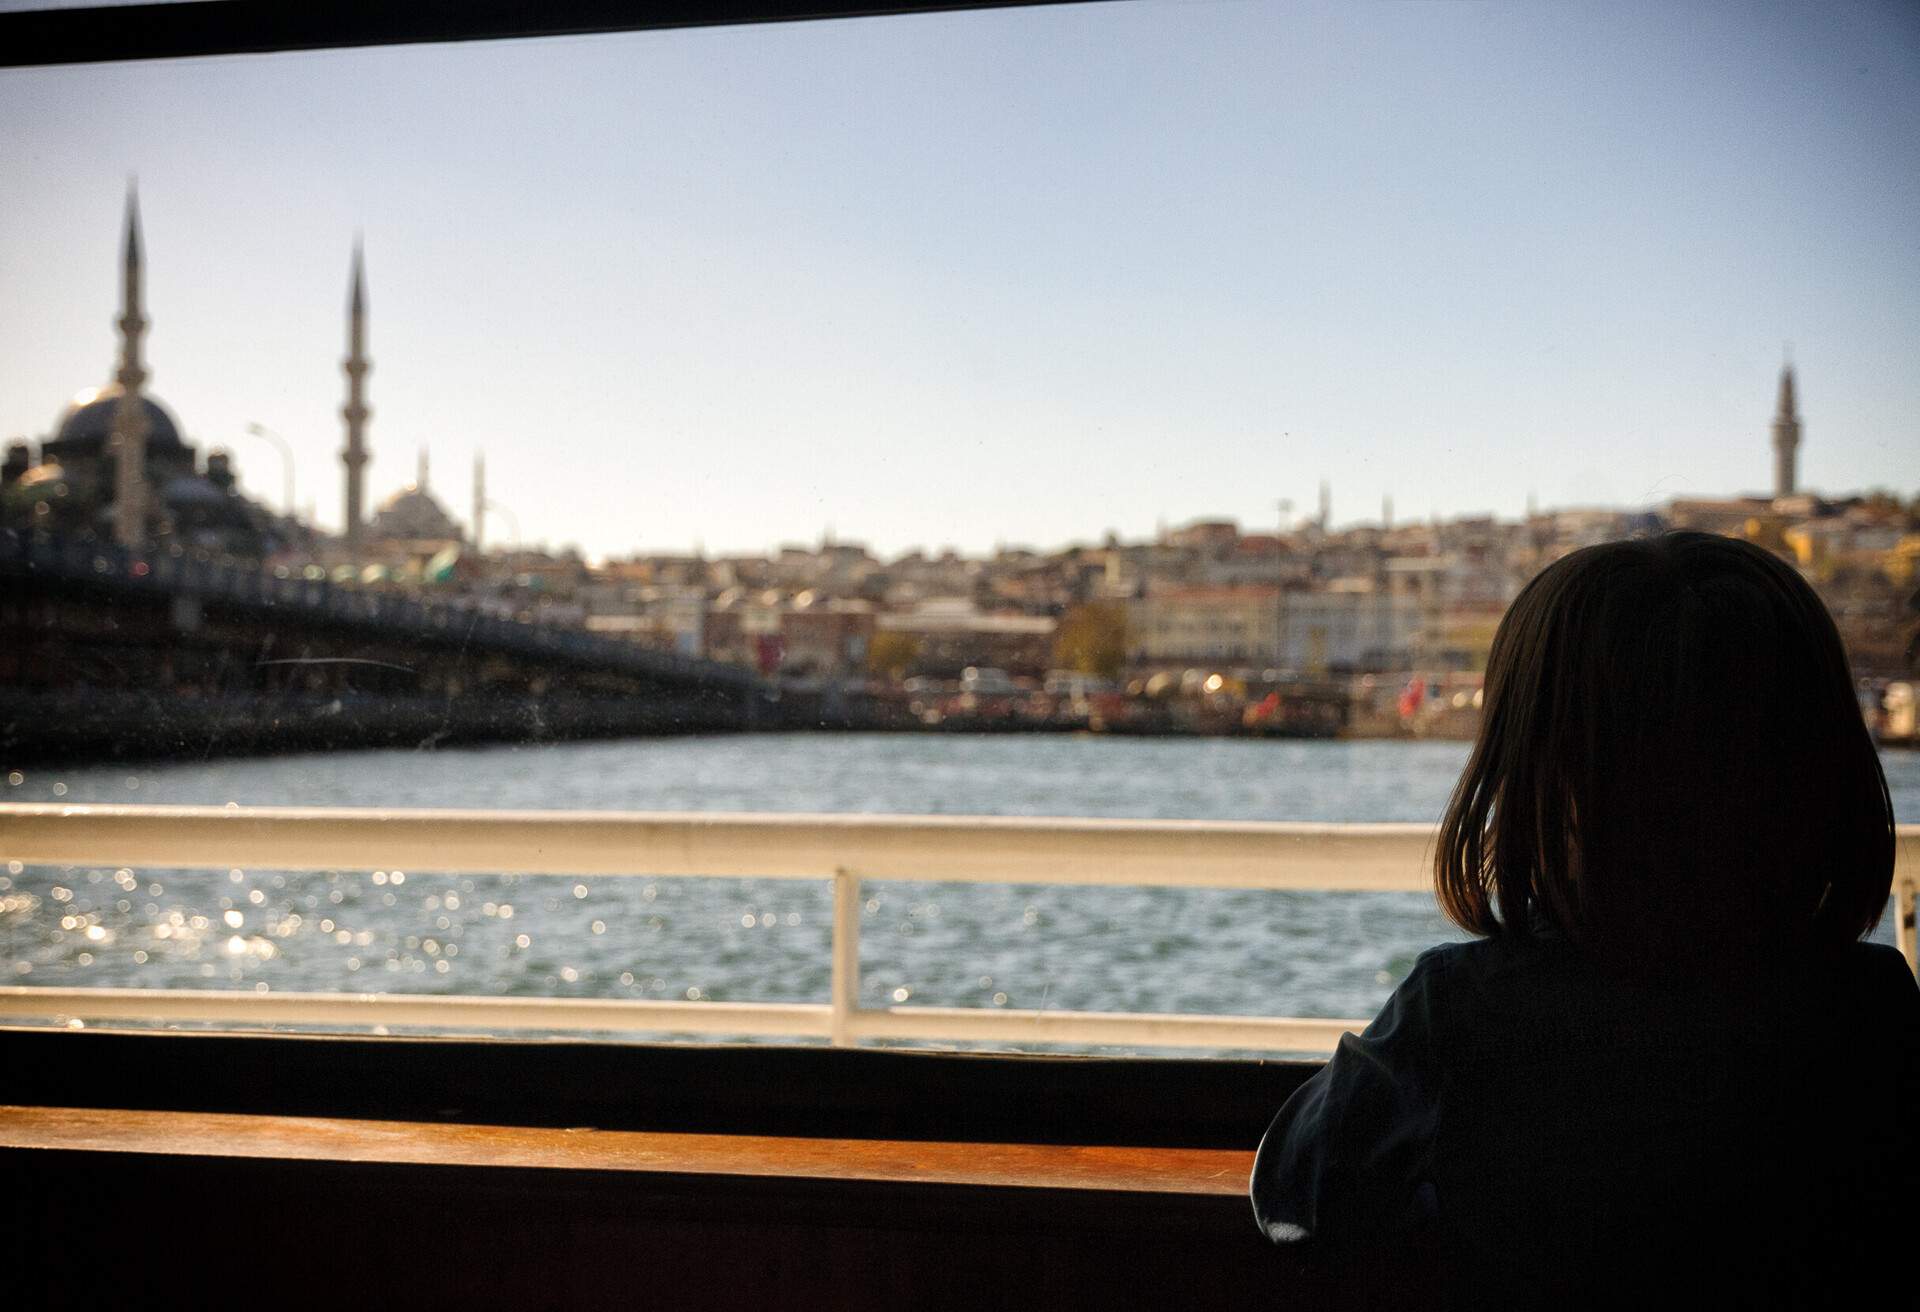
1015,276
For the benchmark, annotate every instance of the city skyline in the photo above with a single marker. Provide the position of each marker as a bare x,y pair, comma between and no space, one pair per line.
946,351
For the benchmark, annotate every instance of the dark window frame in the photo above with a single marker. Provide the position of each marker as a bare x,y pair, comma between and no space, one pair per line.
35,37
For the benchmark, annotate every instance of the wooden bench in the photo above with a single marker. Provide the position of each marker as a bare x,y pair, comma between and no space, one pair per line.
241,1198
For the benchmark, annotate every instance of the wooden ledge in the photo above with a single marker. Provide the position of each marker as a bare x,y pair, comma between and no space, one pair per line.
1178,1171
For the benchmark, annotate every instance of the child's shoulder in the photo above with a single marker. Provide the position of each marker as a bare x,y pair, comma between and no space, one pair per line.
1881,960
1543,972
1882,971
1511,976
1497,954
1451,976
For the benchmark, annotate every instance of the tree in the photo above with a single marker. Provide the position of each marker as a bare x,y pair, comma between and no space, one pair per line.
891,655
1092,639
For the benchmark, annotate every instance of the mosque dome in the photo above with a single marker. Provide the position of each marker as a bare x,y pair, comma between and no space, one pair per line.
413,514
87,423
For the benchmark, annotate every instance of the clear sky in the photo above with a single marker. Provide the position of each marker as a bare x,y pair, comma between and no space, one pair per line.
1018,276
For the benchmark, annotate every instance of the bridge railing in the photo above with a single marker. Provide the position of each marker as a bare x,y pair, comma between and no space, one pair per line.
845,850
105,564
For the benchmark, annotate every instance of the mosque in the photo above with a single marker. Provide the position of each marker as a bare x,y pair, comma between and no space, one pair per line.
163,495
411,526
166,496
412,520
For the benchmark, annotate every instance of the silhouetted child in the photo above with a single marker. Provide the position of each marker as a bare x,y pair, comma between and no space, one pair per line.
1667,1068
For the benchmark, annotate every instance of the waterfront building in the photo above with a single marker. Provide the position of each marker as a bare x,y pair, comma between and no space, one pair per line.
951,633
1254,560
1351,626
1823,545
1138,568
836,565
1587,526
916,576
660,568
826,635
1205,534
1726,515
664,617
742,625
682,618
1178,625
1355,554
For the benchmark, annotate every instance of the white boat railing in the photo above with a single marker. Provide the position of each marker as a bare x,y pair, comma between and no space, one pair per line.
847,850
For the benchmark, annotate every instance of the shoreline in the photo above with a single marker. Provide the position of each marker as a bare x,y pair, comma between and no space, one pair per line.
66,730
170,748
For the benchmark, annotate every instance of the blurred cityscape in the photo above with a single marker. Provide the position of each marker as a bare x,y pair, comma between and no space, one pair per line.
1377,628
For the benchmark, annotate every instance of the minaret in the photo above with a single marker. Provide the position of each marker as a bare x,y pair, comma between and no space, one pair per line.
420,475
1786,436
130,416
356,411
1386,511
479,503
1326,505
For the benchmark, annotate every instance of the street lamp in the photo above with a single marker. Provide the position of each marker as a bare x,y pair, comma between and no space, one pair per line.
286,458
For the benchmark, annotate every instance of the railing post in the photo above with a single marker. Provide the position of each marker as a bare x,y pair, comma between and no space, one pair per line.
1904,890
846,956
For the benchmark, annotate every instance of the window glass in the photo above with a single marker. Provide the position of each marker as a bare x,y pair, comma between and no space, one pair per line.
1107,412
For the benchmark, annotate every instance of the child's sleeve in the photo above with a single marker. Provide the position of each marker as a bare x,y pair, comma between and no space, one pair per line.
1345,1165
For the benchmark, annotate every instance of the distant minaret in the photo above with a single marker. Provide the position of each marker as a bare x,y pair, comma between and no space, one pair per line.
1326,505
479,503
1786,436
420,476
1386,511
130,416
356,411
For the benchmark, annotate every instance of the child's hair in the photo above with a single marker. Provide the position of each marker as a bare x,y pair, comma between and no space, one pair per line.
1672,769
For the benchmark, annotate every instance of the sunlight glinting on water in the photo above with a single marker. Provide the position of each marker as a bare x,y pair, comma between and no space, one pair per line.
1018,946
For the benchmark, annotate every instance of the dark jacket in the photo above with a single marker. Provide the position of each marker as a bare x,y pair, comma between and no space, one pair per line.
1546,1132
